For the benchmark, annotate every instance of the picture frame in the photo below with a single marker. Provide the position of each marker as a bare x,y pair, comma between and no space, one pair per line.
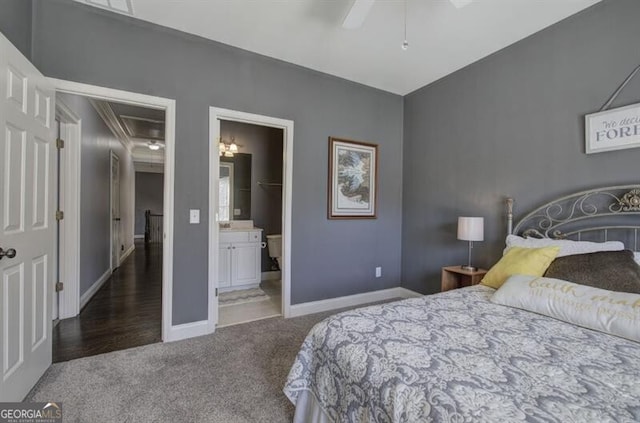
614,129
353,179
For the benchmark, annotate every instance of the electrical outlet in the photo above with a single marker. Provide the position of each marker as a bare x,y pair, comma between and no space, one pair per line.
378,272
237,212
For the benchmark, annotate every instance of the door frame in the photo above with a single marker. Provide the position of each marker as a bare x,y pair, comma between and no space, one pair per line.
142,100
113,265
70,131
215,115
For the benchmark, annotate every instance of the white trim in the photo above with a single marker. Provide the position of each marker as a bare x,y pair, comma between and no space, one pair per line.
351,301
89,293
169,106
71,133
187,330
138,236
127,253
110,119
215,115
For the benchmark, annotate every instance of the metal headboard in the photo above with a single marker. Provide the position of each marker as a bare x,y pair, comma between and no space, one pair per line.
602,214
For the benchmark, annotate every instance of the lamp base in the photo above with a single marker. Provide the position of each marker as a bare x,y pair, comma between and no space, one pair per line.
469,268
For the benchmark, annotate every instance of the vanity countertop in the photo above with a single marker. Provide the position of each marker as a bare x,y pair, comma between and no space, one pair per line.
240,229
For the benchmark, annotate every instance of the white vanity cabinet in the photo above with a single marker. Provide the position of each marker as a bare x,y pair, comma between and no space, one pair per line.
239,259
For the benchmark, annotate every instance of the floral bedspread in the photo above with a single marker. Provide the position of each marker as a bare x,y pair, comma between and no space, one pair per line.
457,357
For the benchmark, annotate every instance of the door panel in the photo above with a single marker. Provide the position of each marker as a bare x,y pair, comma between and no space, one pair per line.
14,178
224,265
245,256
27,194
41,183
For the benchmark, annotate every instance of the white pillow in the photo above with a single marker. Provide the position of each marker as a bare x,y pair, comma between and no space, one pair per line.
567,247
615,313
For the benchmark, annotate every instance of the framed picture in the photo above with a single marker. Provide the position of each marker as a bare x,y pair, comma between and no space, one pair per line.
614,129
353,173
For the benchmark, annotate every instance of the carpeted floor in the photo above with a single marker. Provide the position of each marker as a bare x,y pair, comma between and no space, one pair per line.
234,375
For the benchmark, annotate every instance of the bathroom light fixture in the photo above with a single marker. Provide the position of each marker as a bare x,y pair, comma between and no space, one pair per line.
227,149
470,229
153,146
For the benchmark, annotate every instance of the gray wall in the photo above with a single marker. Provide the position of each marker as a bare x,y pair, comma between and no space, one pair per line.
95,174
329,258
15,23
265,146
149,196
512,124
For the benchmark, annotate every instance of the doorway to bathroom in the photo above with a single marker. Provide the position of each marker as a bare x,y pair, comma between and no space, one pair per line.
250,201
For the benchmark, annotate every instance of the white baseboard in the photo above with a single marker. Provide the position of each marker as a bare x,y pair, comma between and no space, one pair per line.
271,276
127,253
188,330
84,299
351,301
138,236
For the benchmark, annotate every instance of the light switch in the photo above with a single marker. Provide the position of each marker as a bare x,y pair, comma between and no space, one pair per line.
237,212
194,216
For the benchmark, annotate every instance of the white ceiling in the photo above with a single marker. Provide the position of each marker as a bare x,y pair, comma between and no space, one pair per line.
442,38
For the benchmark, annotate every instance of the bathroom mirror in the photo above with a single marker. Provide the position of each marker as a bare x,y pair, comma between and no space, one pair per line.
235,187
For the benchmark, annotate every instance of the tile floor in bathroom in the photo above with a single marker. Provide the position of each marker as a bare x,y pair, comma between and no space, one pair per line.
248,312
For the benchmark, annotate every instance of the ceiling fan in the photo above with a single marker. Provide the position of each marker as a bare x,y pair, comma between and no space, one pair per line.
361,8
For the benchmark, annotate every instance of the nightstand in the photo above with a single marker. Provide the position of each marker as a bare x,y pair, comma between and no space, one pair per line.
454,277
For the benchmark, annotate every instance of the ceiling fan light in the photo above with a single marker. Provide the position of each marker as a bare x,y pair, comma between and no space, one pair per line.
153,146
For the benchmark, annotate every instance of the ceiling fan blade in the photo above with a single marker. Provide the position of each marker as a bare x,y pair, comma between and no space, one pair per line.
358,13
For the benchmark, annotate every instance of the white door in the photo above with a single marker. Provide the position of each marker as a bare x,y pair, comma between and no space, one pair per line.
27,219
115,212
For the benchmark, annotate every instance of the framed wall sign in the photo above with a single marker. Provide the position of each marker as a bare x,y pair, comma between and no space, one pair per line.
614,129
353,173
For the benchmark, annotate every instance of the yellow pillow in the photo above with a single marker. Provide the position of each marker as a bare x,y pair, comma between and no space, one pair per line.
520,261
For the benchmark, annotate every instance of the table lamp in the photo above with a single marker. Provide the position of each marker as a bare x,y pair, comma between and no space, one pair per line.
470,229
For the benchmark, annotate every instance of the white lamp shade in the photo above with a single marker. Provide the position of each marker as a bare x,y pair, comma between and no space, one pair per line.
471,228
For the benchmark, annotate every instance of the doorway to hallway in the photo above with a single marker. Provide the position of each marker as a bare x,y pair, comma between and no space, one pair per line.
124,313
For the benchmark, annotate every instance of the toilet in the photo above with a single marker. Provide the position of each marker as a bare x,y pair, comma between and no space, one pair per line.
274,244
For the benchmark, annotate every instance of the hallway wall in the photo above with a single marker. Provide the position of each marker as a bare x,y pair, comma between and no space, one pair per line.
95,232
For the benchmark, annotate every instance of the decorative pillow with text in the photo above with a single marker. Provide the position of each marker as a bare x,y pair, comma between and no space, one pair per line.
615,313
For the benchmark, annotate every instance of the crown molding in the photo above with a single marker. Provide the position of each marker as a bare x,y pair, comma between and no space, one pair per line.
113,123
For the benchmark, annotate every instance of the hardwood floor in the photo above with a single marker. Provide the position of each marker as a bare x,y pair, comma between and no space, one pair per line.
126,312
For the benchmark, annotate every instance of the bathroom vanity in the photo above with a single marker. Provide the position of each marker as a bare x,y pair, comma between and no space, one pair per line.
239,258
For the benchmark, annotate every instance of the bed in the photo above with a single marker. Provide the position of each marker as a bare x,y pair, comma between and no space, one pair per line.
459,357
